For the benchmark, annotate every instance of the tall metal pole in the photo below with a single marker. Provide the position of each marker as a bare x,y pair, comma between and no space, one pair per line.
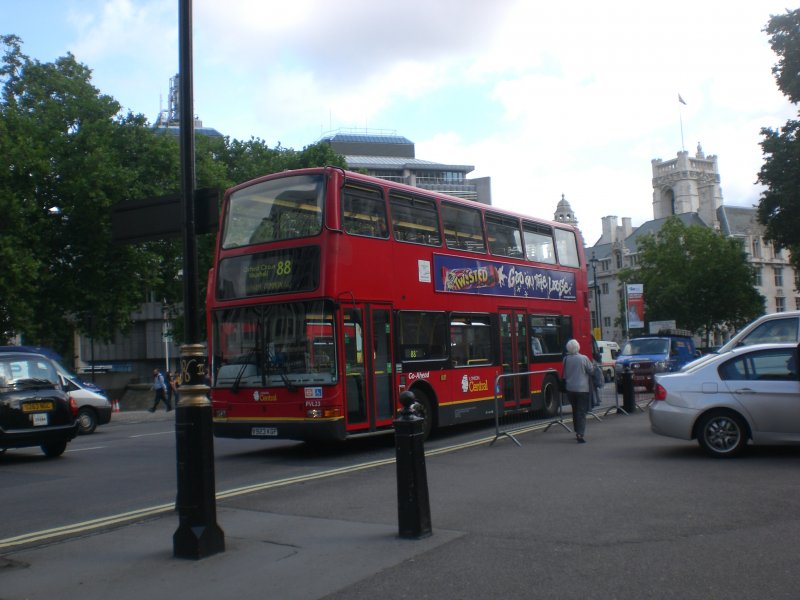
597,312
198,534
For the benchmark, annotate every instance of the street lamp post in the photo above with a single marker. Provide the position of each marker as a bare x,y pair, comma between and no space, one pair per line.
593,261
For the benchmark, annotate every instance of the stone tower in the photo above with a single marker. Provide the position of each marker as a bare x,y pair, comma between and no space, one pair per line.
685,185
564,213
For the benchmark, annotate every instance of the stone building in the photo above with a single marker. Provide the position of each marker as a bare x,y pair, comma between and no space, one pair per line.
687,187
393,157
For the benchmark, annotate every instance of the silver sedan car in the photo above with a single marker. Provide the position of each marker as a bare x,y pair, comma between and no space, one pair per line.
751,393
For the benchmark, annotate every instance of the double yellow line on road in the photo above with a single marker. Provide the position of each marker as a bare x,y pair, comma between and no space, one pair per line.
154,511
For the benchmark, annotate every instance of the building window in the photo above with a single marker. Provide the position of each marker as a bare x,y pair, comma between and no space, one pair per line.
604,288
797,280
757,273
756,247
780,304
778,276
440,177
797,302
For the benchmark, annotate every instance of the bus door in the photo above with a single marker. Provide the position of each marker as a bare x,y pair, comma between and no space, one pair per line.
368,367
514,354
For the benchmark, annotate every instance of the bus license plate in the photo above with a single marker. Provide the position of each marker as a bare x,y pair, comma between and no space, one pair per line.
264,431
39,419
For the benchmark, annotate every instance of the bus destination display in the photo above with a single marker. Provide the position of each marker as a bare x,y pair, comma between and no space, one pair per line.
276,272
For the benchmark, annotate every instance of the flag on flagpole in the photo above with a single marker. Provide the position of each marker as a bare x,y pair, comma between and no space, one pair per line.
681,100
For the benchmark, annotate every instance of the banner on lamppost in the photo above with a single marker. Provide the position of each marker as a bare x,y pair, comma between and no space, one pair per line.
635,307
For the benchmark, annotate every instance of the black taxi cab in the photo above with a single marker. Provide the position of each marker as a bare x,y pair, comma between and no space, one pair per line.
34,409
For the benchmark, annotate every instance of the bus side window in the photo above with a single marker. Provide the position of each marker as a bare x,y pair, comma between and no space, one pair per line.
422,335
539,245
504,236
463,228
470,340
364,213
415,220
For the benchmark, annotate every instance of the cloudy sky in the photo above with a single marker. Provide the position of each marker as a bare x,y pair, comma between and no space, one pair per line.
546,98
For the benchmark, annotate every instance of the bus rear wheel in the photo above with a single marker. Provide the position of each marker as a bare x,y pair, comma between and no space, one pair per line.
551,398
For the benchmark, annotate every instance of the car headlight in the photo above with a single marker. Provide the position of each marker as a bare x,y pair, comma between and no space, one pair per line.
661,366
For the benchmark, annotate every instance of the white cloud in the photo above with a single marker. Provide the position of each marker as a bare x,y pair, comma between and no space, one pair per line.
574,98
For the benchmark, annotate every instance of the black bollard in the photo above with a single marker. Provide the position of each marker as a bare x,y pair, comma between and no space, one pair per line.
198,534
628,398
413,506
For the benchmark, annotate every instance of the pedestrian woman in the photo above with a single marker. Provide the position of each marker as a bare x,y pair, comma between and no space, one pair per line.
578,377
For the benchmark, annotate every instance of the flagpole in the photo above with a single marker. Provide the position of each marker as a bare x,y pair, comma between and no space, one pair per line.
680,117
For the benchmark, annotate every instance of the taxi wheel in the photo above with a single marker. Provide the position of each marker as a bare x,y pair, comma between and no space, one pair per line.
53,449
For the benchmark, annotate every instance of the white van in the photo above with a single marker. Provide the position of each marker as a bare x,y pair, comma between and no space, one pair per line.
93,408
608,354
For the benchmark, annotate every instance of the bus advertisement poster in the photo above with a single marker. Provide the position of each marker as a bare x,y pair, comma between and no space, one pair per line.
471,276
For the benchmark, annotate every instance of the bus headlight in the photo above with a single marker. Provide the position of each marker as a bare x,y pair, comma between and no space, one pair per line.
314,413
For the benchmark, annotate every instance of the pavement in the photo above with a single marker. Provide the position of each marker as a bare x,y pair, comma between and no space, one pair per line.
627,515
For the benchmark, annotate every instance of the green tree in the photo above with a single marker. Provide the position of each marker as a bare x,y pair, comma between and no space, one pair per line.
70,156
779,205
697,277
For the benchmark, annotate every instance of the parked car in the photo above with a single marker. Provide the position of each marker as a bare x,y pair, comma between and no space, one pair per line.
649,355
767,329
94,407
34,408
748,393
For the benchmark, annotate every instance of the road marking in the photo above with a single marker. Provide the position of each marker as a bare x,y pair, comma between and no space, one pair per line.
138,435
87,448
152,511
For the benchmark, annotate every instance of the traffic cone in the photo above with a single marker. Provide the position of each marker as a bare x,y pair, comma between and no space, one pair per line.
115,405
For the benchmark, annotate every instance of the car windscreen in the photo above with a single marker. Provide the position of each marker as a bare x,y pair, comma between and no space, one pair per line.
26,370
646,346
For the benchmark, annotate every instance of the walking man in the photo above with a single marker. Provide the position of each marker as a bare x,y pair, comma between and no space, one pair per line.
160,389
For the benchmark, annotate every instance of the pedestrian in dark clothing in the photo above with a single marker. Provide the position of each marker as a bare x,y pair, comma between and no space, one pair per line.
160,390
578,376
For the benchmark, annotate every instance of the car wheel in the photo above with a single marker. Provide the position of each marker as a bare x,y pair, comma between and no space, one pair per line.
54,449
722,435
87,421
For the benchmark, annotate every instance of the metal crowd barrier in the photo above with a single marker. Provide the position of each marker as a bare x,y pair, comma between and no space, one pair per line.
607,401
498,405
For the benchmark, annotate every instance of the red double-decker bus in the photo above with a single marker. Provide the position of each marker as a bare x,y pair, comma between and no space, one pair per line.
333,292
